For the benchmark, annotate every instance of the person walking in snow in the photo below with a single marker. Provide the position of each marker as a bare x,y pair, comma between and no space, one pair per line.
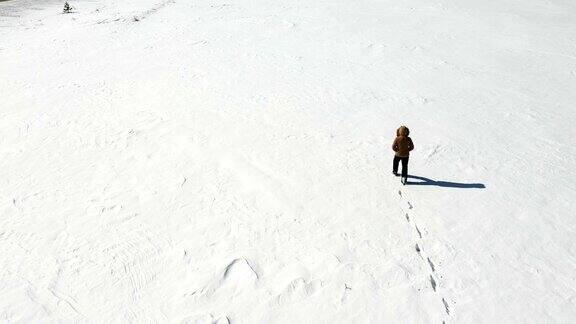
402,146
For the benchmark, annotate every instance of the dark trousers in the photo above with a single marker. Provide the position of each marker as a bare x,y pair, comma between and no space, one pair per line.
404,165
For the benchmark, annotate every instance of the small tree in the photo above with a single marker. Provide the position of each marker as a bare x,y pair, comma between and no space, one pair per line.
67,8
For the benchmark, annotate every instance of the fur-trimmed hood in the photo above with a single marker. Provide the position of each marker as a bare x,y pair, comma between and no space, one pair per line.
402,131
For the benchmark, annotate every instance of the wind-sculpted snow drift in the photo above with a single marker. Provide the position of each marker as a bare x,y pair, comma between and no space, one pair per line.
230,162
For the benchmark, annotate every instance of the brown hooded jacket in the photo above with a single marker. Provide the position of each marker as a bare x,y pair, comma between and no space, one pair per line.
402,144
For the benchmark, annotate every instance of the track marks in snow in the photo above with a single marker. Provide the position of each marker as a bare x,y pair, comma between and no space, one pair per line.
134,259
446,308
136,17
418,231
431,264
153,10
421,253
69,301
300,289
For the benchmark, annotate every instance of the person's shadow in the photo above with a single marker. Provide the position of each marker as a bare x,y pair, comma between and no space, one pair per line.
429,182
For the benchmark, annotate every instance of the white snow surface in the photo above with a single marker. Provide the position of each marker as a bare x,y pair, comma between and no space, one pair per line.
229,161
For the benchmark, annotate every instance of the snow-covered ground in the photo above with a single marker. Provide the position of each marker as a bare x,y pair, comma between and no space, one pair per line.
218,161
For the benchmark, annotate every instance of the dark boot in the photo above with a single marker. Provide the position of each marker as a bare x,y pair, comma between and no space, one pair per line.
395,163
404,161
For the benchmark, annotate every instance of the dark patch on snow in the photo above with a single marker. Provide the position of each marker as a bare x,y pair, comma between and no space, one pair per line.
418,230
446,308
431,264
